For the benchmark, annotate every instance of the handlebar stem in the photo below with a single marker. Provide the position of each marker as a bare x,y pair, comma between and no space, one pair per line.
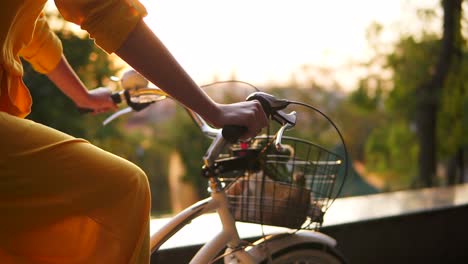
218,144
206,129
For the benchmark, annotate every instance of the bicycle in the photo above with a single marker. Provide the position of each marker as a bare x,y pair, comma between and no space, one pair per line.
274,180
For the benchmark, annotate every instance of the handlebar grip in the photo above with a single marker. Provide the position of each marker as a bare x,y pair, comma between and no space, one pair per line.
271,107
116,98
232,133
84,110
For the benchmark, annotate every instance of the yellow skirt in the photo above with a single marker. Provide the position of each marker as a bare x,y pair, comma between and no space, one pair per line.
63,200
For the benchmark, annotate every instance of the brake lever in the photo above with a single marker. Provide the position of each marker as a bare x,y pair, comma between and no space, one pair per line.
273,107
269,103
283,118
279,135
117,114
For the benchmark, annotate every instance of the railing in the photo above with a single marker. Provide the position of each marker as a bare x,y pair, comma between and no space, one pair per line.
415,226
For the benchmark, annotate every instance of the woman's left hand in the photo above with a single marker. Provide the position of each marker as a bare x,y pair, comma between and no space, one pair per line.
98,100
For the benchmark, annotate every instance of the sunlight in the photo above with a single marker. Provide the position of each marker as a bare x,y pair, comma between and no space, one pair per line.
273,41
265,41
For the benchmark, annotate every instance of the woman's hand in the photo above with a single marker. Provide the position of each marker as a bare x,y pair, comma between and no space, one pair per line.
163,70
98,100
249,114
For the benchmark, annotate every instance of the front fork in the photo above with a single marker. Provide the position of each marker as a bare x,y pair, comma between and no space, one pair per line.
229,235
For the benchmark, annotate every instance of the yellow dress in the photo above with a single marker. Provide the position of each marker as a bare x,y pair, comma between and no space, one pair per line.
63,200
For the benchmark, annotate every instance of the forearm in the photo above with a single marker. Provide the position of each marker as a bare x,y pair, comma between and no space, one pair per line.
148,55
65,78
68,82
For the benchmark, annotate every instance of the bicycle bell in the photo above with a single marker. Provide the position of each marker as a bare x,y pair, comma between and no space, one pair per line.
131,79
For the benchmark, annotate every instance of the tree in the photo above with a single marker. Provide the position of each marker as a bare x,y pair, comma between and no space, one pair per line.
453,118
425,105
428,93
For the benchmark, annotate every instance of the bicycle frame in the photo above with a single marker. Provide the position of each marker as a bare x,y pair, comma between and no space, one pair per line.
228,236
218,202
240,251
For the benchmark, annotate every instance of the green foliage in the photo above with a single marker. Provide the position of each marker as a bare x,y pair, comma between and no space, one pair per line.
412,63
362,112
392,148
391,151
453,114
152,155
366,97
50,106
191,144
311,125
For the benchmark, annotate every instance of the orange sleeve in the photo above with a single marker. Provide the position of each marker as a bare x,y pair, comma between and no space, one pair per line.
44,51
107,21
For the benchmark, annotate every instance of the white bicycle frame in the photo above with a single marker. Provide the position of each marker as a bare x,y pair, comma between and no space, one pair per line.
237,250
228,236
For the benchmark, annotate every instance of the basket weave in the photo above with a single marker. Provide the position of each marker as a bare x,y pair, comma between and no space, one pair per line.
258,200
290,187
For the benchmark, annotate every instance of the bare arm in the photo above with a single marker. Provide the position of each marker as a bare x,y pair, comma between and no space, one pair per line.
148,55
65,78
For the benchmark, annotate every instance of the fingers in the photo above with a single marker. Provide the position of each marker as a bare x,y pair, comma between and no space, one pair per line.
104,104
248,114
261,116
256,122
99,101
103,110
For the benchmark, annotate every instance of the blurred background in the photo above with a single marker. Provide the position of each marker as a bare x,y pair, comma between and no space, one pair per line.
392,74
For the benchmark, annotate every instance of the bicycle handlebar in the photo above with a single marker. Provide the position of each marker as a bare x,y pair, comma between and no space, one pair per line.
272,108
138,98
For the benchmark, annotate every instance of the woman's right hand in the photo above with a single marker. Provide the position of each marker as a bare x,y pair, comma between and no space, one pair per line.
249,114
163,70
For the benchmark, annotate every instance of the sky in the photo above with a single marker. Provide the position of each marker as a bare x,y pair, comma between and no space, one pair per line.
265,41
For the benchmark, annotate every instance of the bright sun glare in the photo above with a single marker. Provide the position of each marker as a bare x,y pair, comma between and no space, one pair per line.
267,41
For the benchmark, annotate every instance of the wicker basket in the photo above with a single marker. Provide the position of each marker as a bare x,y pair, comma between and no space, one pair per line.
290,187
